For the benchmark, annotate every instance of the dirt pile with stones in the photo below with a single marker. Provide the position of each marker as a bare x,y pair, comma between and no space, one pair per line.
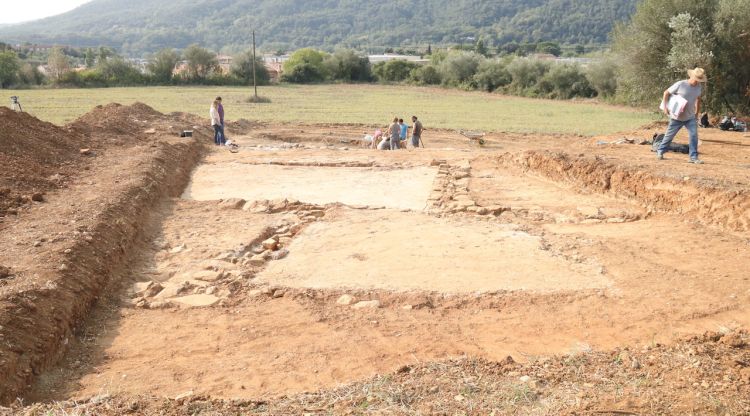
36,157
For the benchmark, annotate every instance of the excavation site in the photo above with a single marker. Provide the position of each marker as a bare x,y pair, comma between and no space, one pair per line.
301,272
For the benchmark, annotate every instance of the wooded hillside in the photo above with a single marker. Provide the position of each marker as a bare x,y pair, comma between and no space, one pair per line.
139,26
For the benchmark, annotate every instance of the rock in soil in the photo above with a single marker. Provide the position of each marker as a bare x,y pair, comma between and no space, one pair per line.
373,304
346,300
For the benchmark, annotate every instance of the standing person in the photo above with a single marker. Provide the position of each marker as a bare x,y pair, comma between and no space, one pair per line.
394,130
403,133
690,90
220,109
416,132
216,122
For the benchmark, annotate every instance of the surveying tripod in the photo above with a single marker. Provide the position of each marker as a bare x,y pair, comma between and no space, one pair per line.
14,104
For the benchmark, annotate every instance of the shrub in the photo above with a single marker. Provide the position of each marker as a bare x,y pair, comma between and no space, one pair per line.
459,68
425,75
565,81
491,75
304,66
603,77
393,71
345,65
526,73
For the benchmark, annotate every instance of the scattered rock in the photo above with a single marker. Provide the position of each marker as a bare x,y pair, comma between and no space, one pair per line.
232,203
279,254
184,395
85,152
197,301
153,289
177,249
257,260
254,293
374,304
171,291
159,304
733,339
271,243
278,293
150,131
437,162
346,300
37,197
208,275
140,287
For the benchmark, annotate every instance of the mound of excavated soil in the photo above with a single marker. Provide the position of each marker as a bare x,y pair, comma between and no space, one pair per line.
709,374
35,156
117,119
133,124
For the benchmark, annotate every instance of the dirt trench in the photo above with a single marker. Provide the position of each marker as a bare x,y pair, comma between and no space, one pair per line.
286,270
80,236
695,199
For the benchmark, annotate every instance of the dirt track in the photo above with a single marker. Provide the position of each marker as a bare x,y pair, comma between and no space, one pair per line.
529,247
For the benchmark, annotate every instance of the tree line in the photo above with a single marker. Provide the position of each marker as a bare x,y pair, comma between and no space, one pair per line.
103,67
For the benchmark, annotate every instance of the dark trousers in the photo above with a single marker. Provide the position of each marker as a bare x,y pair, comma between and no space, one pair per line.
218,134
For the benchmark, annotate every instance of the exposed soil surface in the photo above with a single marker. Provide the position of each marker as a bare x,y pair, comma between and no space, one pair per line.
306,274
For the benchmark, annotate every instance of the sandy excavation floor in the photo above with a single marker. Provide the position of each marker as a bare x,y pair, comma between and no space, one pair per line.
294,266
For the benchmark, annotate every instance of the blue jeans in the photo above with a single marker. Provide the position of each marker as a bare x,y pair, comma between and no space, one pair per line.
218,136
674,127
415,141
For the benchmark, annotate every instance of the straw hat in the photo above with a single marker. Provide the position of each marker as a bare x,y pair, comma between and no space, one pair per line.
697,73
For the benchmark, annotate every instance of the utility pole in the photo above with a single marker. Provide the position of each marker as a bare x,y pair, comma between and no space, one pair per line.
255,83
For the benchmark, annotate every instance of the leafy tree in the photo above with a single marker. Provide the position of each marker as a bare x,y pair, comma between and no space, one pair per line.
690,45
89,57
509,48
396,70
425,75
163,64
310,63
29,75
459,68
481,48
603,76
116,71
242,68
346,65
9,66
665,38
525,73
492,75
549,47
732,83
105,53
200,62
58,63
565,81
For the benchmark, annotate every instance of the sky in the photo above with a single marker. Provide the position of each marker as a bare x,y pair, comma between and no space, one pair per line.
16,11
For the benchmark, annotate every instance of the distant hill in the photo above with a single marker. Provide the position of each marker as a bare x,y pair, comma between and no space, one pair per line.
138,26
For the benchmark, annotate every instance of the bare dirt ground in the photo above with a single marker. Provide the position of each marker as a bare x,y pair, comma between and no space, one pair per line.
305,274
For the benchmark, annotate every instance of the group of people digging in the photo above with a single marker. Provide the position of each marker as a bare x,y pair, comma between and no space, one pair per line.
396,135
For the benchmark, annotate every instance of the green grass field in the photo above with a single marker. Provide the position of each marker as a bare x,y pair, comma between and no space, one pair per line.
368,104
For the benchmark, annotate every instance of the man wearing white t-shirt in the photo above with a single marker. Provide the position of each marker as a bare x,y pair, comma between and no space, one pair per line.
690,90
